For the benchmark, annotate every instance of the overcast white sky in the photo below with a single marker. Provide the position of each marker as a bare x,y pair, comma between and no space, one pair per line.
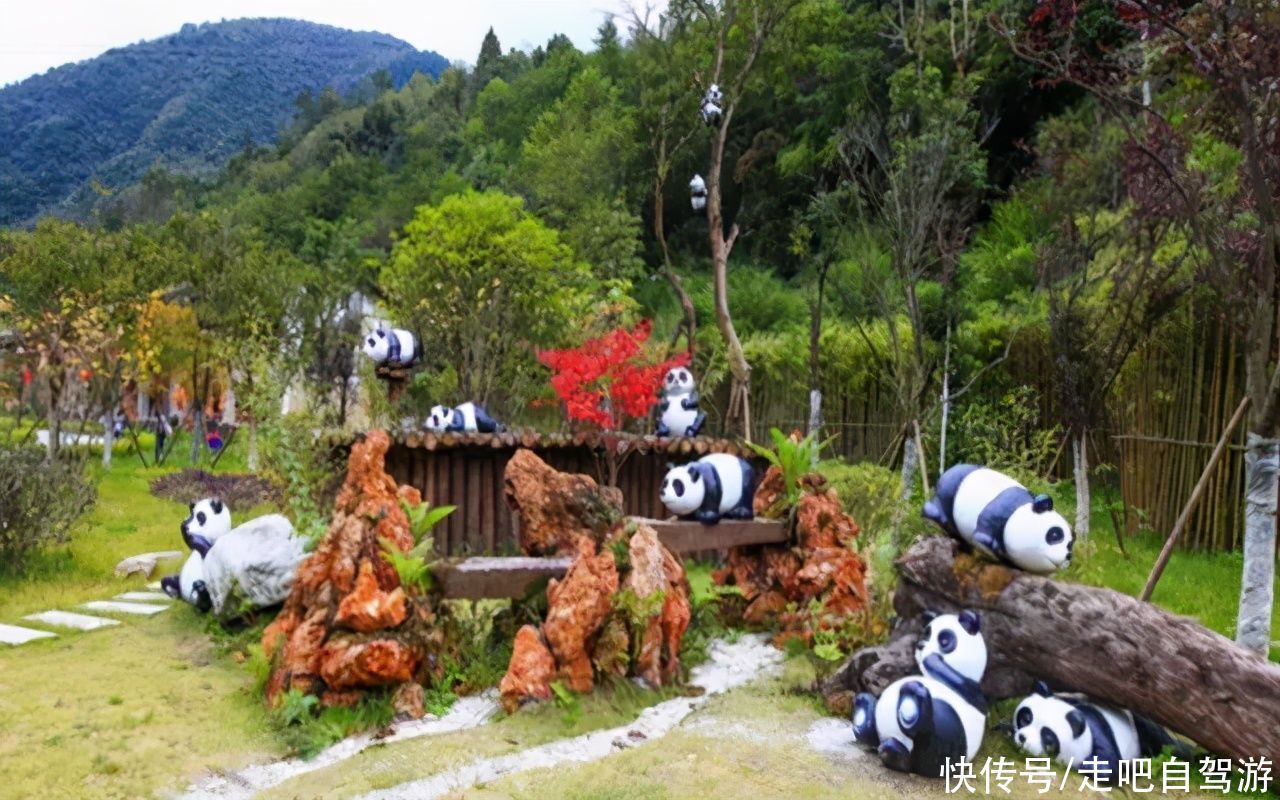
38,34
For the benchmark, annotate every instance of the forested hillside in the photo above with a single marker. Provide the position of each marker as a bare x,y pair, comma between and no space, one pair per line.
185,102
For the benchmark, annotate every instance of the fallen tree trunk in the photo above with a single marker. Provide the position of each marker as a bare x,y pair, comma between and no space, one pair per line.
1112,646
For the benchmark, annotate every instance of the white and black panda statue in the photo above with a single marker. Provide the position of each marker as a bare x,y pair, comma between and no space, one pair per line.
208,521
231,570
711,102
678,412
698,193
392,348
998,515
922,722
1087,736
714,486
466,418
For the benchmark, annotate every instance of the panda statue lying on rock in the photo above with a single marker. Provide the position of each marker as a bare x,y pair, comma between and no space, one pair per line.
678,413
714,486
255,562
1087,736
392,348
466,418
922,722
999,516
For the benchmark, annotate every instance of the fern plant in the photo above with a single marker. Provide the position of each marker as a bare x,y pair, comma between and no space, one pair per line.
412,566
794,459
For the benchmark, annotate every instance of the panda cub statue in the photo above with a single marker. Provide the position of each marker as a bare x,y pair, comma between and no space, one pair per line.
1087,736
714,486
392,348
921,722
998,515
466,418
255,562
210,520
698,193
678,412
711,102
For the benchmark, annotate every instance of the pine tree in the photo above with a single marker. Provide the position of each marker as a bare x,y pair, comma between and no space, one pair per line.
489,62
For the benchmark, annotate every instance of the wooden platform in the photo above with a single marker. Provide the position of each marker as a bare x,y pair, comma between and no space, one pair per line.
512,578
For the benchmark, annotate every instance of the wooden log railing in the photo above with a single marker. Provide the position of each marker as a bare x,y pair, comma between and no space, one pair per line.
513,578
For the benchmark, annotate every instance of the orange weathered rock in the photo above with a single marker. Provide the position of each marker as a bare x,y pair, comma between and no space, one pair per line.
654,569
531,670
577,606
770,494
368,608
557,508
410,701
348,586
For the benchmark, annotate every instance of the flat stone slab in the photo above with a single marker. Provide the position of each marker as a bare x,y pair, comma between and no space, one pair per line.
66,619
146,597
15,634
154,586
114,607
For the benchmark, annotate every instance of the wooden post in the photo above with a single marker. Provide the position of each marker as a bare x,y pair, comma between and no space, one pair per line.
924,465
1167,551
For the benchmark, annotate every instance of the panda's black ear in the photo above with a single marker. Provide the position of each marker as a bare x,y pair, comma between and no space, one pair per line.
1076,720
216,505
382,334
694,476
970,621
928,616
191,506
1042,503
1042,689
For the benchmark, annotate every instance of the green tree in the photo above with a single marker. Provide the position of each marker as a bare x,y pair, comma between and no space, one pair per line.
484,283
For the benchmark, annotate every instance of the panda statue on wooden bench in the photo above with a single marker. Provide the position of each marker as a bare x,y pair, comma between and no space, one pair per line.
922,722
1000,516
466,418
714,486
678,412
393,348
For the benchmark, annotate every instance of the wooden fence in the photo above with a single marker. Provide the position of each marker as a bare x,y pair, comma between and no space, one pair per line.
467,471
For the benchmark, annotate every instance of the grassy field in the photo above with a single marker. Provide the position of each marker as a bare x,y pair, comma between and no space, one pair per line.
144,708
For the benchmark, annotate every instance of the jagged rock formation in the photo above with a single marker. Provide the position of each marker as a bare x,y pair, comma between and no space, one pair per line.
556,508
347,625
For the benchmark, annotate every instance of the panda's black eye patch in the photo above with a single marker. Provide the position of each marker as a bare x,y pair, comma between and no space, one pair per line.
671,378
1054,536
679,487
1049,741
947,641
201,518
1024,717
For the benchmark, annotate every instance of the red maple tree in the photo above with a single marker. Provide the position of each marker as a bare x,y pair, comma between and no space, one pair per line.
609,379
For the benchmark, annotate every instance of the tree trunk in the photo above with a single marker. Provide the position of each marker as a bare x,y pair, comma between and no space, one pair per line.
1080,454
251,460
946,405
108,439
909,468
197,432
738,417
1253,623
1120,650
815,358
690,323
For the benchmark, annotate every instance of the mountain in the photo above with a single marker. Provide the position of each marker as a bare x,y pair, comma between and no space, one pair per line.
187,101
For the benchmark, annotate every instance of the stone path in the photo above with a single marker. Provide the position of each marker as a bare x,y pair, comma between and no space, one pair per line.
132,603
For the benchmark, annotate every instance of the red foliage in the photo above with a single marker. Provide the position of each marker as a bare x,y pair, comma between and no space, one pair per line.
610,378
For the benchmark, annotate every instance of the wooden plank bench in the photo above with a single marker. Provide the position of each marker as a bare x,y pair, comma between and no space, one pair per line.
510,578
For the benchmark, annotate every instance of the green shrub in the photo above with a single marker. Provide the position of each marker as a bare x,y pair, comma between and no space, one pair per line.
1005,434
40,499
308,474
868,492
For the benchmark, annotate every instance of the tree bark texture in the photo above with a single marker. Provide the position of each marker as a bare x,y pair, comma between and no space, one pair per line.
1253,622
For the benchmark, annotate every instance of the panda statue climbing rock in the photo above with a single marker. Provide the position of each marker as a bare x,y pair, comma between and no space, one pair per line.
714,486
209,519
1090,737
678,412
921,722
392,348
254,563
466,418
998,515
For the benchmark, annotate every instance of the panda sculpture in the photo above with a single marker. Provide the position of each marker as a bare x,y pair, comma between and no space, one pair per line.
678,412
711,102
714,486
255,562
466,418
921,722
998,515
392,348
209,520
698,193
1088,736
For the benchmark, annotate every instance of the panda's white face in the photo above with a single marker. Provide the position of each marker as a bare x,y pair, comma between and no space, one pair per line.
440,418
958,639
1044,725
209,518
1038,541
682,491
377,345
679,382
